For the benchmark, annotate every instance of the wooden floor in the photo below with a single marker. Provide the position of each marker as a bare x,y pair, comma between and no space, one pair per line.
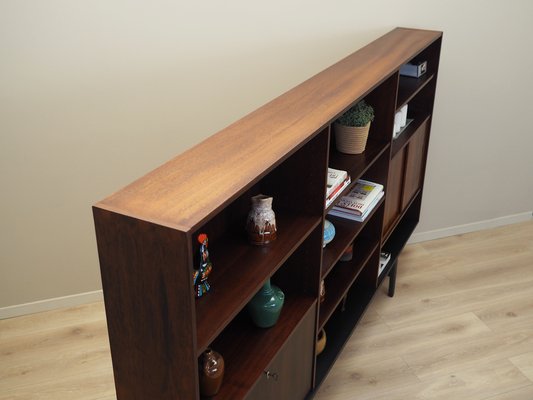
459,327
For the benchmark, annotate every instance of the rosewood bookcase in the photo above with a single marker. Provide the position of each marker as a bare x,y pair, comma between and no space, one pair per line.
146,234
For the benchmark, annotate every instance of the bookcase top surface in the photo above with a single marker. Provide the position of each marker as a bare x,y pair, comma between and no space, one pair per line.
188,189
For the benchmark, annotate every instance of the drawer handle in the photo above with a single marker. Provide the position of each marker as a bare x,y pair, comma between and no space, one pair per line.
272,375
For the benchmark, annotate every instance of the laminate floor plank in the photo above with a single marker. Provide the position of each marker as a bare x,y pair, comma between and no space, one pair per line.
459,327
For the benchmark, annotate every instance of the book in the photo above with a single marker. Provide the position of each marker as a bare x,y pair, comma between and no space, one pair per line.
336,177
360,197
355,217
337,191
384,258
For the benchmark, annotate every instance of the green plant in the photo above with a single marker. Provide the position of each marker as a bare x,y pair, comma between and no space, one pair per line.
358,115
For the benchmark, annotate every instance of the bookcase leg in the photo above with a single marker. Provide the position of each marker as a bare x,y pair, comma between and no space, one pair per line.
392,278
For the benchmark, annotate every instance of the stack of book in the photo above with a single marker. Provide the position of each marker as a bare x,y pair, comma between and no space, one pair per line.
337,181
361,200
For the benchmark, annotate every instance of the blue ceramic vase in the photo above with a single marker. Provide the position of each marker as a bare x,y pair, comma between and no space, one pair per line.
266,305
329,232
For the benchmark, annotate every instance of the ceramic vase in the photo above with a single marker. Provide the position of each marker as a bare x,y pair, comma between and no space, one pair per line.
265,307
261,221
329,232
211,372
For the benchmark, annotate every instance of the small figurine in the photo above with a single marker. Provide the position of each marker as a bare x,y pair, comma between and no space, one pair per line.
199,277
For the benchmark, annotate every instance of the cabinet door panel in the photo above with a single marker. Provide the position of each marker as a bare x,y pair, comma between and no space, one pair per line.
290,372
393,192
414,164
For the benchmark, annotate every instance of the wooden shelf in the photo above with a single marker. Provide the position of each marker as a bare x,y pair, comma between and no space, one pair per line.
257,347
340,327
357,164
401,141
240,269
409,87
342,277
345,232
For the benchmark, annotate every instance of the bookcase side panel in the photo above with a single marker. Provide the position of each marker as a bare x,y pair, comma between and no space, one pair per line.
148,297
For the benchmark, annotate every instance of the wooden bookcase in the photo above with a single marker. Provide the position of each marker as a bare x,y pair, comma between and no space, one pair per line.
146,234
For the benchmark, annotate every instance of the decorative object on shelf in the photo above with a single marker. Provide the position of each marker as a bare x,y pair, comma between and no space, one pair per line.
199,276
322,291
321,342
414,69
329,232
384,258
351,128
261,222
211,372
265,307
347,255
400,121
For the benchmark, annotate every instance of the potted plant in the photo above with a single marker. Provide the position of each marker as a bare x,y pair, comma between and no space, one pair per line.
351,128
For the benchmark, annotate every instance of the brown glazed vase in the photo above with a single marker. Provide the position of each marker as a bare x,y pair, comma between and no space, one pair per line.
261,222
211,372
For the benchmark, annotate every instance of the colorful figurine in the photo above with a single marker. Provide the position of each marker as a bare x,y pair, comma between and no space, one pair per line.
199,277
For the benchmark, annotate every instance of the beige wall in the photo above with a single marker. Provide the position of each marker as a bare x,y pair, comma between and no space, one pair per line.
94,94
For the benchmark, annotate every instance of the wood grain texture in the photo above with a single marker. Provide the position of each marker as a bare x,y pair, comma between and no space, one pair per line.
227,162
64,354
146,277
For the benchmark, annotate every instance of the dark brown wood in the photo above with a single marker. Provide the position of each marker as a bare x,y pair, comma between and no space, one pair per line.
240,269
405,137
394,192
342,277
346,232
149,307
414,164
148,248
289,374
409,87
248,351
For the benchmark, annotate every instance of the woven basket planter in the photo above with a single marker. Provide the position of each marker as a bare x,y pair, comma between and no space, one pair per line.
351,139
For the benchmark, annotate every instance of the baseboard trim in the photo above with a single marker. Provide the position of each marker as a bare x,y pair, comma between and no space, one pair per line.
51,304
97,295
473,227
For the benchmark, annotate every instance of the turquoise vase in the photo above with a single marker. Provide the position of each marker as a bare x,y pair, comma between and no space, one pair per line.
265,306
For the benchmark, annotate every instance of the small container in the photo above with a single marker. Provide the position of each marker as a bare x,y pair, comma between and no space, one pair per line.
211,372
348,253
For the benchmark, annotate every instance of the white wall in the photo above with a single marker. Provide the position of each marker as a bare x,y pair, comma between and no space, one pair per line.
95,94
